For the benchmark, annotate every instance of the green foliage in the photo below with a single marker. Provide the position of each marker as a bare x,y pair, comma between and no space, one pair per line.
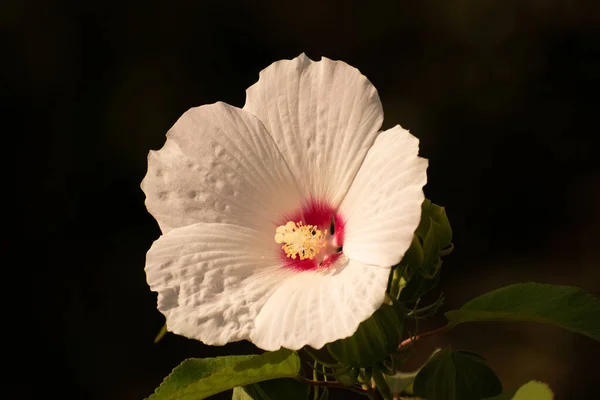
275,389
240,394
456,375
565,306
532,390
347,376
374,339
200,378
401,382
414,256
371,354
421,264
381,383
417,286
433,212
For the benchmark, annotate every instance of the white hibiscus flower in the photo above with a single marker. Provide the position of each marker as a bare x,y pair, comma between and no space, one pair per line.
281,220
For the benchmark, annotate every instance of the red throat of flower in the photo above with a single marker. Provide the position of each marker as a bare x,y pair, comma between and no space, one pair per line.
312,237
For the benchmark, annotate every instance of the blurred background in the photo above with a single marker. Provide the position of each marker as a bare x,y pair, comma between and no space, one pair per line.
502,94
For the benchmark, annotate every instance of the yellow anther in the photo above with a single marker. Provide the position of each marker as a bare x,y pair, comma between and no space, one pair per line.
278,238
291,226
302,241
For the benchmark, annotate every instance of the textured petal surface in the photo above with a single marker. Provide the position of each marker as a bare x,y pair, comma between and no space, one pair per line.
383,206
213,279
317,307
324,117
219,165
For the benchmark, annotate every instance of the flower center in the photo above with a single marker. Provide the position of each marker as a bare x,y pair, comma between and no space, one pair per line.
302,241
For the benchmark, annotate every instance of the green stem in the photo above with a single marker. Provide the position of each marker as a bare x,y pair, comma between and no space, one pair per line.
315,378
416,312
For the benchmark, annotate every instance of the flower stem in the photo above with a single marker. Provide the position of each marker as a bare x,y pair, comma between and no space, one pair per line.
408,341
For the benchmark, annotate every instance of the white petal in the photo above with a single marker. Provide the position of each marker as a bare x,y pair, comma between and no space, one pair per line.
213,279
383,206
219,165
324,116
314,308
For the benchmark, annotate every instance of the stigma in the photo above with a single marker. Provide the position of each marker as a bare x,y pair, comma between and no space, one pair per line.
301,241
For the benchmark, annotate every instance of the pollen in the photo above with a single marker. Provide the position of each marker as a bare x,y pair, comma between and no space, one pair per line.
300,241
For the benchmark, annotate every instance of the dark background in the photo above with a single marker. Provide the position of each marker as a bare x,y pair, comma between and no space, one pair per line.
502,94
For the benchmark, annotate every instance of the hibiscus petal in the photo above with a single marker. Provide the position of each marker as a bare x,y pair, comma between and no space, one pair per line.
317,307
324,117
383,206
213,279
219,165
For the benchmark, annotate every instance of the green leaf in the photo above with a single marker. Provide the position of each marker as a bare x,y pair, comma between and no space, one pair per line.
414,256
401,381
197,378
277,389
433,212
373,341
422,261
411,261
432,245
532,390
347,376
565,306
456,375
416,287
381,383
240,394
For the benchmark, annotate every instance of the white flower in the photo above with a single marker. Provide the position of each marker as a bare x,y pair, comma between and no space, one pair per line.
247,198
